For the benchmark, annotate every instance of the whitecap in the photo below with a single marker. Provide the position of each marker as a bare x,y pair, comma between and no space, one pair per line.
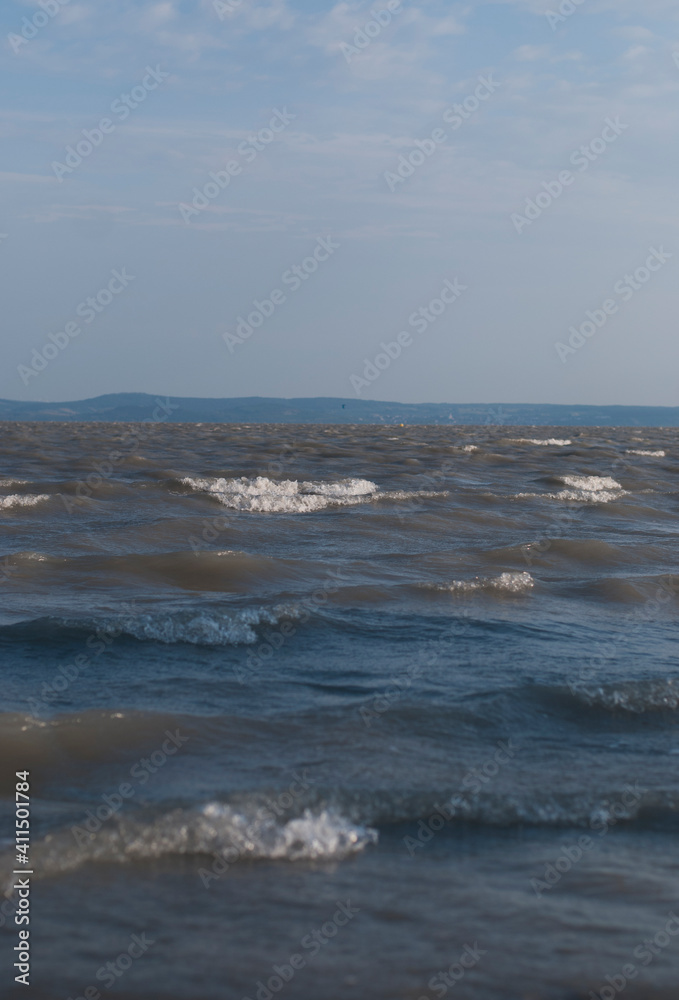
23,500
511,583
585,489
207,627
217,830
554,442
264,495
649,454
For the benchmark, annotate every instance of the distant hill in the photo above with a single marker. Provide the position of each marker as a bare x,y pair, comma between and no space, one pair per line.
136,406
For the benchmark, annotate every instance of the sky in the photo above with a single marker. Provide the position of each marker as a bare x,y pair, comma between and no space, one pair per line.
421,202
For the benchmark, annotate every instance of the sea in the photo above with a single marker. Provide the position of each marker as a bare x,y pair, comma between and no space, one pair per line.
339,712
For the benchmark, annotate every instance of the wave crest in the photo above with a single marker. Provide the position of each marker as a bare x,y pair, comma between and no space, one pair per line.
585,489
510,583
553,442
289,496
213,829
23,500
199,628
286,496
636,697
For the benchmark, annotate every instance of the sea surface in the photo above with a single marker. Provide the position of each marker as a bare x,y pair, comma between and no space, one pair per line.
322,712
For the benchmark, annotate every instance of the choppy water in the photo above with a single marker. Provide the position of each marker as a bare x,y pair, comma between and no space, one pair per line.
405,667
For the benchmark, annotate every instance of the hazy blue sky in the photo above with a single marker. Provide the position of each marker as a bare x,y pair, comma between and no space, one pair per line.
361,105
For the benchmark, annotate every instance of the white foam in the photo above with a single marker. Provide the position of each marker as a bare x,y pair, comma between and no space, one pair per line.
204,628
591,489
285,496
215,829
554,442
313,835
25,500
649,454
512,583
585,489
289,496
631,696
591,484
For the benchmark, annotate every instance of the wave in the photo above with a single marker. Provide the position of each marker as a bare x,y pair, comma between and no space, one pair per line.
585,489
263,495
199,570
198,627
287,496
591,489
582,551
23,500
18,558
649,454
510,583
343,823
593,811
207,627
553,442
636,697
213,829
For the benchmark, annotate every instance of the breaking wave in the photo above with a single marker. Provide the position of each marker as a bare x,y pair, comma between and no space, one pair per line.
23,500
208,627
342,823
585,489
510,583
554,442
636,697
287,496
213,829
649,454
291,497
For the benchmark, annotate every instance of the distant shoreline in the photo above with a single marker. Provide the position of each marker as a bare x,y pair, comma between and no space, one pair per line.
136,407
